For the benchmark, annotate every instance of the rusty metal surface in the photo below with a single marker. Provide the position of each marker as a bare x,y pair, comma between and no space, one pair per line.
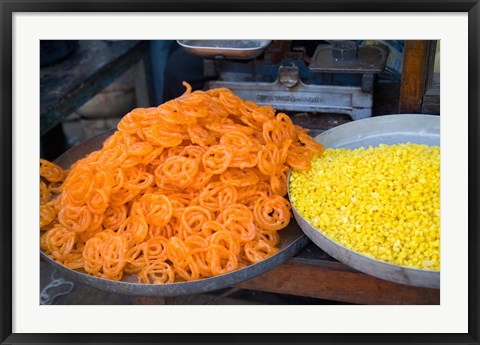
292,240
387,129
363,59
301,97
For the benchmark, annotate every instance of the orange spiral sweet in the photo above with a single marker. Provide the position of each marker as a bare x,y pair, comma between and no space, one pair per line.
60,242
216,159
47,214
51,171
191,189
158,209
45,194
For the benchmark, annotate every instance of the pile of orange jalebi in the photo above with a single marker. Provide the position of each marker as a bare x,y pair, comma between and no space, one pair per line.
190,189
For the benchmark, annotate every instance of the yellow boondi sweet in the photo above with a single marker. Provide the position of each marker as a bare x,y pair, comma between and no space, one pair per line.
383,202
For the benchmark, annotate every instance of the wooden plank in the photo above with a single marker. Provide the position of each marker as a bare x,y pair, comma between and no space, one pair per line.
431,104
339,285
431,98
414,74
67,85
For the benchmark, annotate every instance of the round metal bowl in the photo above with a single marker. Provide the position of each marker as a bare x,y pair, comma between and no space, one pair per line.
292,240
230,49
388,129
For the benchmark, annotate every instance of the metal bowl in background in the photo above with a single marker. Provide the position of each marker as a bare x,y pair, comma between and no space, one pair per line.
387,129
233,49
292,240
52,51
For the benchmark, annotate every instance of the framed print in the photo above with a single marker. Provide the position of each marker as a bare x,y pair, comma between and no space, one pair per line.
241,172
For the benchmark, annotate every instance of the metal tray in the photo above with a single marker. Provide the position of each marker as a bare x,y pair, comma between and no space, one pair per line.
292,240
387,129
234,49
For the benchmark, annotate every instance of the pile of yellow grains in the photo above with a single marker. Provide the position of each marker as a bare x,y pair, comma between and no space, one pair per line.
382,202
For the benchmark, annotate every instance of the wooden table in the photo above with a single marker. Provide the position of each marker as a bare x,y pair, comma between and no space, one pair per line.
313,273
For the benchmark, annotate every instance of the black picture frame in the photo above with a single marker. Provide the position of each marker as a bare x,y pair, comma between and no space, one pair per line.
8,7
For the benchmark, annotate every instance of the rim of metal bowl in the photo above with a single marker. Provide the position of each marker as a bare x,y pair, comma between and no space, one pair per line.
378,268
292,242
183,288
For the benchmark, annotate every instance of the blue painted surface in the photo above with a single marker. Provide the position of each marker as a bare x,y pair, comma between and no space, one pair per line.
159,53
